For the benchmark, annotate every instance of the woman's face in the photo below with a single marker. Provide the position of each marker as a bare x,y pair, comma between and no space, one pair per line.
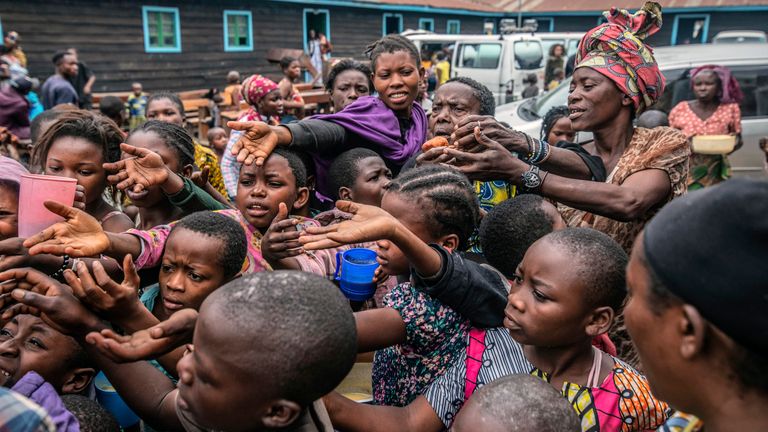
165,111
561,131
271,104
558,51
79,159
594,100
706,86
396,77
348,86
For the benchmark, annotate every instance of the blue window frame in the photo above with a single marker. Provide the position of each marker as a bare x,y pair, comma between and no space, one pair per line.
162,32
690,29
238,31
391,23
453,27
1,26
427,24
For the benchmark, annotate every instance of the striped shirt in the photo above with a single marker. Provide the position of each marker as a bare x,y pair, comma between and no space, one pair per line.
502,356
19,414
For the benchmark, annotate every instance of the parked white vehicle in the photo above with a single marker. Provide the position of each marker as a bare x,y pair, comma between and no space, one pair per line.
500,64
748,62
740,36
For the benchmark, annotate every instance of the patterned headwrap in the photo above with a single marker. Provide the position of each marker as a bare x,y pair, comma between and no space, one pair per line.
616,50
254,88
730,91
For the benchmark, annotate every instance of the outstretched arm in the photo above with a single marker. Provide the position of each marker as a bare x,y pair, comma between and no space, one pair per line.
349,416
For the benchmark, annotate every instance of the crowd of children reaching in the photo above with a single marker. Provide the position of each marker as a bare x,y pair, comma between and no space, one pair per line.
204,296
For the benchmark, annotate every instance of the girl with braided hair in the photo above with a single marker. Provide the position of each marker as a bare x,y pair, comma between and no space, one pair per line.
390,124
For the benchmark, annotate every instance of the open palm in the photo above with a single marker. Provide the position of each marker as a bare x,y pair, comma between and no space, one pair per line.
255,144
368,223
144,168
80,235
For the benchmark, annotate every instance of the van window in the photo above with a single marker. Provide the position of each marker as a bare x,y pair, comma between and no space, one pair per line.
480,56
573,46
753,81
528,55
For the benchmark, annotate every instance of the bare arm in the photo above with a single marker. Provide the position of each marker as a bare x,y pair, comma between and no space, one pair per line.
378,329
349,416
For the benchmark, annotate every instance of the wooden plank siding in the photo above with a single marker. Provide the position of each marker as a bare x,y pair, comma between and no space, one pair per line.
109,36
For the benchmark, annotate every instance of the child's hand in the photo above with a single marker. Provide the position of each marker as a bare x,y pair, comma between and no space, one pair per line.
149,343
281,240
25,279
200,178
255,144
80,235
368,223
114,302
54,304
146,168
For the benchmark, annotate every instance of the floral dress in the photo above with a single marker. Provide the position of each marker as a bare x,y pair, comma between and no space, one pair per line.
705,169
436,337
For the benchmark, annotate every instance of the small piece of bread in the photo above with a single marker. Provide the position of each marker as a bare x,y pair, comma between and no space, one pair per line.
438,141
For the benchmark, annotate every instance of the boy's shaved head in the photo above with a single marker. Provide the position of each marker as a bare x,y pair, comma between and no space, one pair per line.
296,331
517,403
599,262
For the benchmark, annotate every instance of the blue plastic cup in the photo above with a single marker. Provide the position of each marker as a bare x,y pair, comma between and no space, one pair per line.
112,402
354,272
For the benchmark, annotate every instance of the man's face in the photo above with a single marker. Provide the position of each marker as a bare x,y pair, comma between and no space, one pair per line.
453,102
68,65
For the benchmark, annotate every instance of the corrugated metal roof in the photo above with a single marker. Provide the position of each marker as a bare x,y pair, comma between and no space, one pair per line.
473,5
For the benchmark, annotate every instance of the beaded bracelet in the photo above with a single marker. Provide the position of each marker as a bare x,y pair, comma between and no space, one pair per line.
60,272
543,153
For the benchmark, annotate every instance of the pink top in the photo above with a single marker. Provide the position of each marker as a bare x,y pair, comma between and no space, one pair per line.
725,120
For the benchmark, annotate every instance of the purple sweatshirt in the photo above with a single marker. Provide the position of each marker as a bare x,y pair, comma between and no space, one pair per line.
34,387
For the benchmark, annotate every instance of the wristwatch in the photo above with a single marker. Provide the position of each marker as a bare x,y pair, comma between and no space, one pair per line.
532,179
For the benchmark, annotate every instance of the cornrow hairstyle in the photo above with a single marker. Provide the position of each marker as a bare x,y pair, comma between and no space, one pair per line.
234,245
175,137
550,118
480,92
391,43
449,200
298,168
87,125
345,169
286,61
173,97
346,65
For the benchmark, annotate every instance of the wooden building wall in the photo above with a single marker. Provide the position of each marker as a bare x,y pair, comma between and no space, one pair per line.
109,36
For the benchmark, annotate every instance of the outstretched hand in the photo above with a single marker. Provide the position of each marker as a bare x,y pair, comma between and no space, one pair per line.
37,294
146,344
368,223
491,162
27,279
114,302
255,144
144,168
281,239
80,235
200,178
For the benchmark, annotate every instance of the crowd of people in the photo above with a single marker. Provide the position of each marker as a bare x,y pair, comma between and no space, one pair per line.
523,283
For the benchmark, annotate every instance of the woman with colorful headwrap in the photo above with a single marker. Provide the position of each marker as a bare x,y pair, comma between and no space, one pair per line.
265,104
715,111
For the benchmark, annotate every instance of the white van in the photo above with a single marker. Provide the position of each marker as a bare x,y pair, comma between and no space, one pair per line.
430,43
748,62
501,63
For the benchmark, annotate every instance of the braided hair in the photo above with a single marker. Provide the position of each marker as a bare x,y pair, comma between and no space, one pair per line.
87,125
175,137
449,200
391,44
550,118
